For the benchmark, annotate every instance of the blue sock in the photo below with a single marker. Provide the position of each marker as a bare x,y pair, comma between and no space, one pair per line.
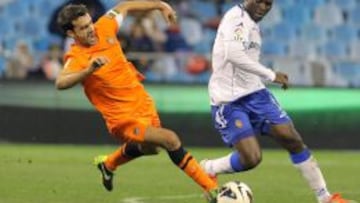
235,162
300,157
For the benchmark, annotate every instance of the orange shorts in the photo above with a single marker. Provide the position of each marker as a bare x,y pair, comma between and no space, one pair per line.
132,127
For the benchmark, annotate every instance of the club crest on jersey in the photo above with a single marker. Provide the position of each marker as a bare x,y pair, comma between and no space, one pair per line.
238,33
238,124
110,40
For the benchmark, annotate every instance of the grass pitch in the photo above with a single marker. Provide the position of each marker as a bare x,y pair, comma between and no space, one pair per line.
65,174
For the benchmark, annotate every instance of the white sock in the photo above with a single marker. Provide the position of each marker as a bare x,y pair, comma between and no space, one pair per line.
312,174
219,166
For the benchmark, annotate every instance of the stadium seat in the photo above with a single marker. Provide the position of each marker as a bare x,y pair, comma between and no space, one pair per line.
9,42
344,33
303,29
284,32
323,74
153,77
302,49
274,48
109,3
162,68
204,77
299,74
354,16
7,27
181,76
205,10
18,9
354,50
283,4
345,5
32,27
272,18
266,33
350,71
226,6
205,46
328,15
334,49
192,30
297,15
313,33
311,5
42,43
44,8
2,66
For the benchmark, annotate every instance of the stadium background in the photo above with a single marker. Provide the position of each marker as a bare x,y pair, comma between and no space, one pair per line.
315,41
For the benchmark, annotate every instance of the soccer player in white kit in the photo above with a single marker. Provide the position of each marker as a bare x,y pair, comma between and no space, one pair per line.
242,107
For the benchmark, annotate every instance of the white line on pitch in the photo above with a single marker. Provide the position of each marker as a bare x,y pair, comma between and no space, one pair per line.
169,197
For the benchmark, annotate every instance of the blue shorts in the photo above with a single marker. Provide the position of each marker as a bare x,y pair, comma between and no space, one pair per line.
248,116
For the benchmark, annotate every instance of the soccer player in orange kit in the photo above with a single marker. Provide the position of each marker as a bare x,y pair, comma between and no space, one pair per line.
113,86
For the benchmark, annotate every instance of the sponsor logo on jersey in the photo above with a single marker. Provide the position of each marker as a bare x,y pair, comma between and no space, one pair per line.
238,124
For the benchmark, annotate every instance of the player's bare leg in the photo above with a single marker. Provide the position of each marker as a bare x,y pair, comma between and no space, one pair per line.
287,136
183,159
246,156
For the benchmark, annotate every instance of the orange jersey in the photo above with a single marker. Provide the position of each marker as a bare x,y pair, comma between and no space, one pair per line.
115,89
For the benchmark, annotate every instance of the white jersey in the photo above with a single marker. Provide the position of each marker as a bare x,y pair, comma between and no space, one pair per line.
235,58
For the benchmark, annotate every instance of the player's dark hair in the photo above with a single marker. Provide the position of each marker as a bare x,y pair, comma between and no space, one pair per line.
68,14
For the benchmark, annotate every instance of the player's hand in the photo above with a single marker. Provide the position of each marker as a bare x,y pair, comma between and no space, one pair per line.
283,79
168,13
97,63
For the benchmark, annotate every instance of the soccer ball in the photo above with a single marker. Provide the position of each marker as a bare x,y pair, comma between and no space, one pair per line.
235,192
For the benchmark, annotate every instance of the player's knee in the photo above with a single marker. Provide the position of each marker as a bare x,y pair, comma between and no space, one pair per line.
150,149
252,160
293,144
291,140
171,141
296,146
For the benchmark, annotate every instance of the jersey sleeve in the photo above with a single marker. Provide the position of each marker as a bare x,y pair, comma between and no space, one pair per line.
234,29
73,65
112,21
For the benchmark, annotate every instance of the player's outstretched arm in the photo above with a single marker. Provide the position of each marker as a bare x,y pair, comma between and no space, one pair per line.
68,79
167,11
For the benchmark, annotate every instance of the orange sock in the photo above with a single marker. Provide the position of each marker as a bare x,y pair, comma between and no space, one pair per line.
117,158
192,168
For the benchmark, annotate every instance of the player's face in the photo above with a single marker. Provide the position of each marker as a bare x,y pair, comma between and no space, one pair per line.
257,9
84,31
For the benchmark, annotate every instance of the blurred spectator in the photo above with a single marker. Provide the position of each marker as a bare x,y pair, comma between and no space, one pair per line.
153,28
20,62
192,30
140,42
196,64
175,41
183,8
52,62
124,40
